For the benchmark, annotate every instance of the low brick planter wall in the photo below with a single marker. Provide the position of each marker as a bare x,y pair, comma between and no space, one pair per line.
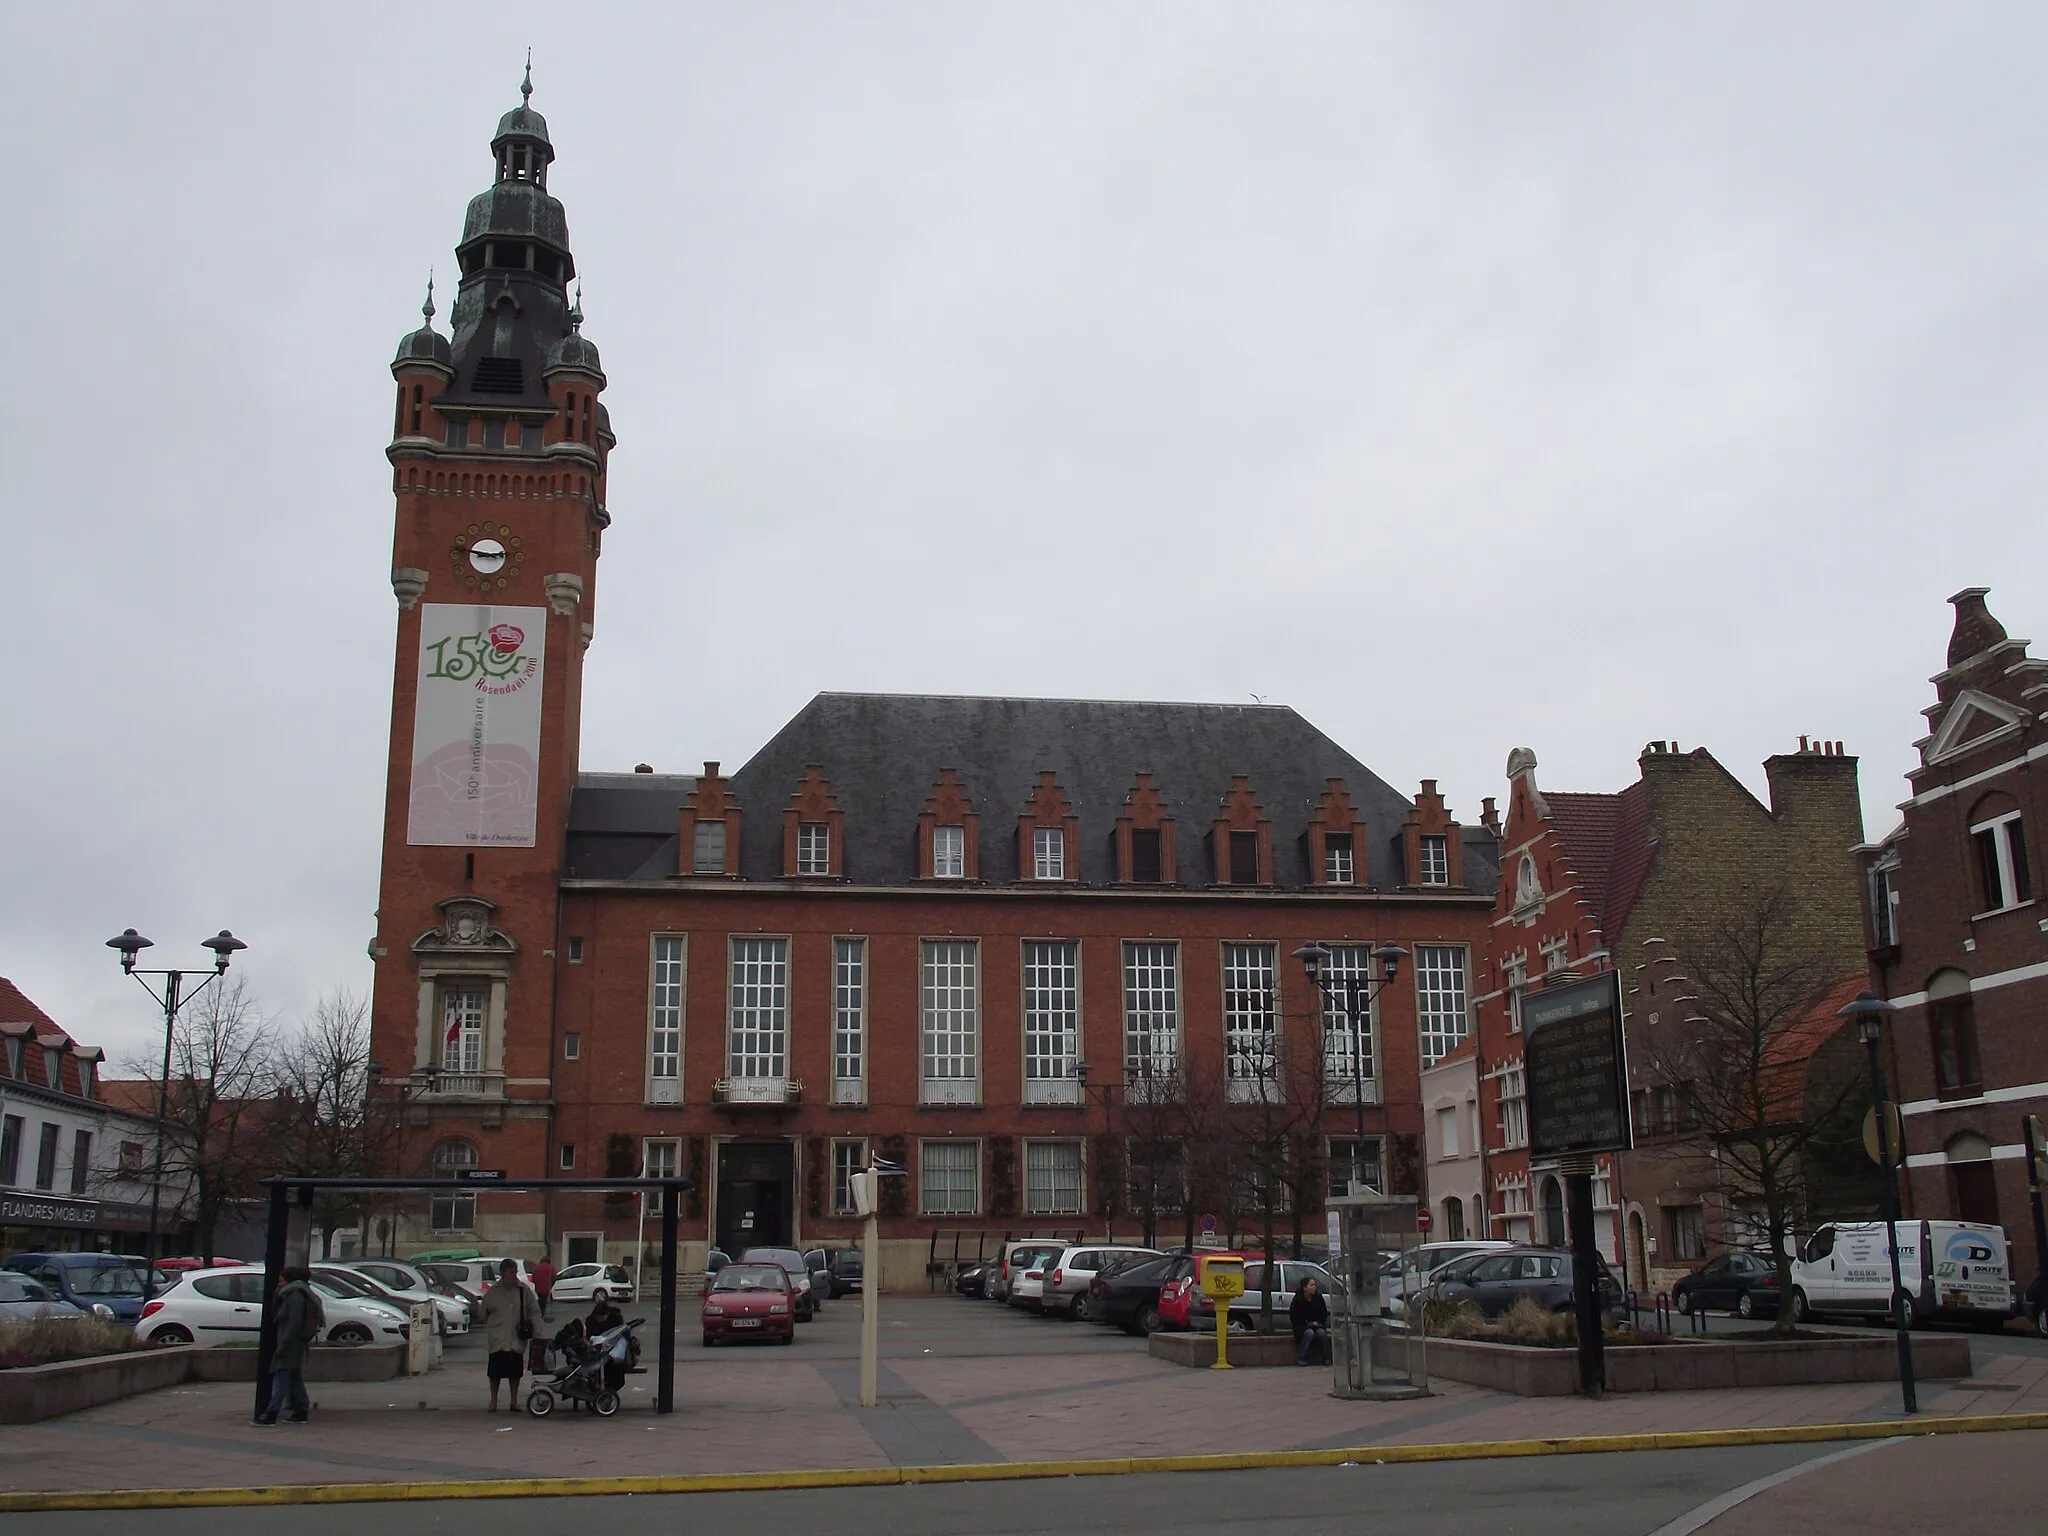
1248,1349
32,1392
1687,1365
324,1362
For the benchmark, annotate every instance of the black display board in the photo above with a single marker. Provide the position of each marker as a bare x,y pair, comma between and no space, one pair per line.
1577,1067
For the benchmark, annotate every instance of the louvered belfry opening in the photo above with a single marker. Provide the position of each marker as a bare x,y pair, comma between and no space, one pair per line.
498,376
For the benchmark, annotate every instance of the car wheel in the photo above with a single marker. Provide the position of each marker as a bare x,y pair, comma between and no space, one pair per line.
169,1334
1684,1303
788,1338
1904,1314
709,1341
607,1404
540,1402
600,1294
1148,1318
349,1333
1080,1312
1244,1322
1800,1312
2041,1321
1745,1305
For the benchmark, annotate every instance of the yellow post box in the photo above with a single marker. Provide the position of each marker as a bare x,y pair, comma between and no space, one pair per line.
1220,1276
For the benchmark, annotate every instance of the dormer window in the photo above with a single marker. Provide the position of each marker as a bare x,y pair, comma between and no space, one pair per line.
1337,863
1436,860
813,848
1145,855
53,1066
1244,858
708,856
949,853
1048,853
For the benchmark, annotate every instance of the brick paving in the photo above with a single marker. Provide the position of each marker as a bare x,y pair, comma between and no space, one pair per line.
987,1385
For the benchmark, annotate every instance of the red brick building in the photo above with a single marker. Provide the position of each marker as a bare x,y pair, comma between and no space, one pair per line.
898,929
1959,941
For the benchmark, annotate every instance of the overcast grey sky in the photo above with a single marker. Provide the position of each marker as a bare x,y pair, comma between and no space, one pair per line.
1466,376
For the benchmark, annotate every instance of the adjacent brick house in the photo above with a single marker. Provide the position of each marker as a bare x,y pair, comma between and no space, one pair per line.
1591,882
1958,938
899,929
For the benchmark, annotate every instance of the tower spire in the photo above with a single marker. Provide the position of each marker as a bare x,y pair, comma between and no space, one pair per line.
576,309
427,308
526,85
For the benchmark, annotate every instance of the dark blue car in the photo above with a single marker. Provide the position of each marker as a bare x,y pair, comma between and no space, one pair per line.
88,1280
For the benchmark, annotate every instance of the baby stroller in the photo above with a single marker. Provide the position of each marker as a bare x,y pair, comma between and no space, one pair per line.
579,1372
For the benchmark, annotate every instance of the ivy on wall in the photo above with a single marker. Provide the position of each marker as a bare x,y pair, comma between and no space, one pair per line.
895,1192
1002,1176
814,1176
695,1204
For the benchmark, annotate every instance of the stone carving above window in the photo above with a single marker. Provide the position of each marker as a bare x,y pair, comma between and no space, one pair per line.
466,927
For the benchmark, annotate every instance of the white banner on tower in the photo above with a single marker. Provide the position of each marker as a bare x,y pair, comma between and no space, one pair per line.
476,726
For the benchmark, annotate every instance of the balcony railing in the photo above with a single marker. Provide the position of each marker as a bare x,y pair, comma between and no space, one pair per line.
1346,1091
761,1092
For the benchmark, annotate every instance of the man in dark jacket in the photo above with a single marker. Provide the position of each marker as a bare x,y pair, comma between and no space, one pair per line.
1310,1315
299,1319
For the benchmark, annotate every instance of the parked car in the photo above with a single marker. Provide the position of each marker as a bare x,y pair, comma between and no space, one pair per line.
452,1279
2037,1302
1409,1267
482,1272
1064,1292
751,1301
88,1280
23,1300
799,1274
210,1307
1018,1255
819,1263
715,1260
1183,1306
1958,1271
404,1287
1736,1282
593,1282
1128,1297
1496,1281
847,1266
1026,1264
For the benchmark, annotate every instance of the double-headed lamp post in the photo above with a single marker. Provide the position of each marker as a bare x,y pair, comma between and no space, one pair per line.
1870,1012
171,998
1354,992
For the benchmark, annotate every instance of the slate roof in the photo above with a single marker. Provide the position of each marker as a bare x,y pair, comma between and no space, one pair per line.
1607,840
882,753
36,1028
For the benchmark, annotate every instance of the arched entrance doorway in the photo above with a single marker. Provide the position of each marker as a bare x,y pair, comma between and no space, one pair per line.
1454,1219
1638,1261
1975,1185
1553,1211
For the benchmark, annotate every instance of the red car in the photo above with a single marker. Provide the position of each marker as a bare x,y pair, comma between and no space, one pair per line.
750,1301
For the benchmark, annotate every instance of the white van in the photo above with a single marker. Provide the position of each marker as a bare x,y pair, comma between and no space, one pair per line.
1959,1271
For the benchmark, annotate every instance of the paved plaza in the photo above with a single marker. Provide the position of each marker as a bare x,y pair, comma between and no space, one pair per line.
961,1382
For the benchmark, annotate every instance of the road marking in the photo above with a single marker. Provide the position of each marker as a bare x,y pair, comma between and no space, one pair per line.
1002,1471
1713,1509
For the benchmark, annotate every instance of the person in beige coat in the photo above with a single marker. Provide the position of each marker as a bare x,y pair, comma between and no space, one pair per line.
511,1317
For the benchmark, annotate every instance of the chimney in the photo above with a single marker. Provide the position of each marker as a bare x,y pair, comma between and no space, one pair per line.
1489,818
643,767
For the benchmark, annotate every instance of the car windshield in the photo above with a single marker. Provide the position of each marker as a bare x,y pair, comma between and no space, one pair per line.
106,1280
788,1258
346,1282
751,1277
1143,1270
445,1274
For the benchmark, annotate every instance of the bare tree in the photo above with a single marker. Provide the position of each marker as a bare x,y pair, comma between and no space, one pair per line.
324,1122
1744,1013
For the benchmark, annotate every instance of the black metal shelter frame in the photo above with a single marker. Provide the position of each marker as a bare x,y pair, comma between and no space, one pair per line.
285,1191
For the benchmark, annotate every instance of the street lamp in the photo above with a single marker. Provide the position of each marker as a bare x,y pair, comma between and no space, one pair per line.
1114,1171
423,1080
1870,1012
174,996
1355,991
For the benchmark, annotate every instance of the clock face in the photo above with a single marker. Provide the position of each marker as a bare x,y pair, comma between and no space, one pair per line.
485,557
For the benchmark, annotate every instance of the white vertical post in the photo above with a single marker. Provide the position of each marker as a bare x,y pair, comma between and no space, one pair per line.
866,1189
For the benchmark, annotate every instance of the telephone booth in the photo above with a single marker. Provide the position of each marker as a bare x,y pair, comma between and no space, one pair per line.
1373,1356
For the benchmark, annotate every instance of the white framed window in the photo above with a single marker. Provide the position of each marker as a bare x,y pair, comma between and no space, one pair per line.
1338,868
1517,989
848,1158
814,847
1447,1132
665,1019
849,1021
1250,1044
462,1029
950,1019
1440,1011
1348,1052
1556,955
757,1038
661,1158
949,853
1151,1010
1884,904
568,1154
1349,1160
2002,870
707,857
1514,1108
1436,860
949,1178
1052,1019
1049,853
1052,1178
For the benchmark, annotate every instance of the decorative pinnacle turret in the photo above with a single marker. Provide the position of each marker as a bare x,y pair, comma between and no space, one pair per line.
427,308
526,86
576,309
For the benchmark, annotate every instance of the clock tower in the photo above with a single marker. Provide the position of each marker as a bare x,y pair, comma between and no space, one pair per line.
498,452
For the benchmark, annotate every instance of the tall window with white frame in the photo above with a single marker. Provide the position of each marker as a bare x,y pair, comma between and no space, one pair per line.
1049,853
849,1021
1436,859
814,848
1440,1011
1514,1108
1052,1178
1052,1019
950,1020
2002,871
1338,868
1350,1160
949,1178
949,853
1250,1042
1348,1052
707,854
661,1157
665,1020
848,1158
1152,1011
757,1042
462,1029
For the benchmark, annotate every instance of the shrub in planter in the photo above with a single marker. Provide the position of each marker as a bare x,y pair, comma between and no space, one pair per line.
47,1340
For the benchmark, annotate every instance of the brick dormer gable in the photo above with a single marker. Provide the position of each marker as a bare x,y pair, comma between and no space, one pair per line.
1334,818
1240,824
1048,809
709,802
948,805
1144,811
813,803
1430,819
